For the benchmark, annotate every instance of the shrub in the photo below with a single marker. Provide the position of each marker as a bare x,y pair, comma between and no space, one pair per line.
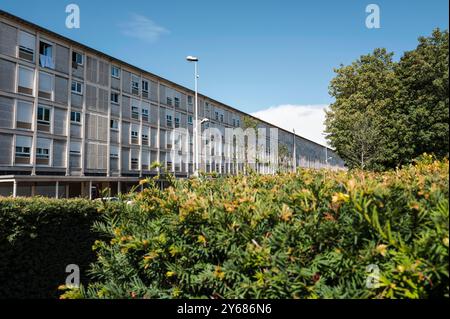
313,234
38,238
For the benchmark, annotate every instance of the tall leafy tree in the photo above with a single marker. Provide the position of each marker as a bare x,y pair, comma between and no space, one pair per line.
358,121
387,113
423,98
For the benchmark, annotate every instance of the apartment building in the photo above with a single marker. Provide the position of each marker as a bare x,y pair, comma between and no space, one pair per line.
74,121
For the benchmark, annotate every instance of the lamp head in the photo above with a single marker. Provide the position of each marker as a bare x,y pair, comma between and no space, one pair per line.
191,58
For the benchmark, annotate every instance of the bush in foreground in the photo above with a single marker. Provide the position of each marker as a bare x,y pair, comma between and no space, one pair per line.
39,237
313,234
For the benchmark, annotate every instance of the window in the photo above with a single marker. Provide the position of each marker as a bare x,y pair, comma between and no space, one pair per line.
26,79
115,72
190,119
45,85
23,147
216,115
43,147
114,124
177,122
134,163
27,44
135,112
177,102
189,100
77,87
114,151
234,122
75,147
169,120
238,123
134,85
24,115
46,55
22,151
115,98
77,58
144,85
134,134
42,153
221,118
75,117
145,137
145,113
169,101
43,116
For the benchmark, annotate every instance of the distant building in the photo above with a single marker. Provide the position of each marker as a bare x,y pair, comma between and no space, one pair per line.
74,120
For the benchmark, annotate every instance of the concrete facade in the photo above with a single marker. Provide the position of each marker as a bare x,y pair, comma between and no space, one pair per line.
73,119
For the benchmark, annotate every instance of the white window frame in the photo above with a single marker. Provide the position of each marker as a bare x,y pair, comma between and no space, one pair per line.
41,154
114,124
143,86
169,119
135,110
114,74
77,83
41,121
25,48
52,83
75,121
40,151
30,104
115,94
78,149
32,81
23,147
190,120
134,82
114,151
49,43
76,60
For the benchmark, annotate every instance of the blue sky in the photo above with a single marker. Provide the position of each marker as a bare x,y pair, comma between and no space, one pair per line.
253,54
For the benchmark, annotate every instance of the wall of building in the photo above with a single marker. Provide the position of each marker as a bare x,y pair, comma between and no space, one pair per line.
65,109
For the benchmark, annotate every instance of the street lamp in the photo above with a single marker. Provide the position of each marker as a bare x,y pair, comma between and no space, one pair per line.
194,59
326,151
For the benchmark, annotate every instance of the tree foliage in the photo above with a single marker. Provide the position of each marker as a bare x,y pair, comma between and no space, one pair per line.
387,113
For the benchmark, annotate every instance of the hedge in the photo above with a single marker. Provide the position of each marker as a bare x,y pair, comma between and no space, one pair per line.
312,234
38,238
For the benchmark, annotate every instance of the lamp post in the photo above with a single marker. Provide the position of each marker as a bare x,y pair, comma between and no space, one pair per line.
326,152
294,152
194,59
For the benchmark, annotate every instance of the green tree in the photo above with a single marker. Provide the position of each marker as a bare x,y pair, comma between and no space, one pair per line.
358,121
387,113
423,98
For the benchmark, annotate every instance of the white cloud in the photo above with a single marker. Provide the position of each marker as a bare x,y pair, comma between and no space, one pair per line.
307,120
141,27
